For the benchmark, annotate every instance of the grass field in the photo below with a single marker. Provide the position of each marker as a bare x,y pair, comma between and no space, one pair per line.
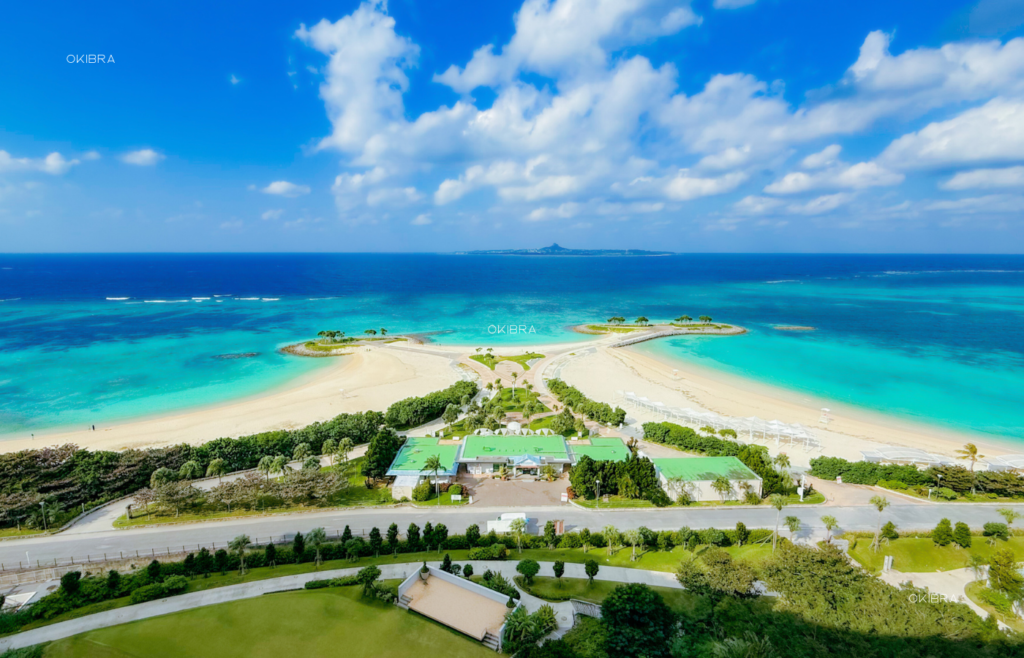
327,622
972,590
611,329
24,532
911,554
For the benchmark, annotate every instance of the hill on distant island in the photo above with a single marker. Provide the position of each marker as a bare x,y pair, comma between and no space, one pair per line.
556,250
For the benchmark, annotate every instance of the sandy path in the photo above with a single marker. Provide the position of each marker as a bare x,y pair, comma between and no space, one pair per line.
372,378
604,371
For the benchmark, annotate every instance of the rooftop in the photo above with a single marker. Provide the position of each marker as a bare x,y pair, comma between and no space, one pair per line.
601,450
414,454
701,469
457,605
496,447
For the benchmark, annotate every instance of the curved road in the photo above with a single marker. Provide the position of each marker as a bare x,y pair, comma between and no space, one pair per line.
191,536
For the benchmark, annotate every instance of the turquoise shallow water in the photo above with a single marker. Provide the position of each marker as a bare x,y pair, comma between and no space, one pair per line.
935,339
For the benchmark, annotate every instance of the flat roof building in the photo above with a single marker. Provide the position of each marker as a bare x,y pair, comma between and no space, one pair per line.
407,469
485,454
694,476
600,450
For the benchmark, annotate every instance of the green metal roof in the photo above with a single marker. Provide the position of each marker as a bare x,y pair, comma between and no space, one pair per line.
487,447
698,469
601,449
415,452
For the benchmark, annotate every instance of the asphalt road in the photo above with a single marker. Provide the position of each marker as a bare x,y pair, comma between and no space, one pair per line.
174,537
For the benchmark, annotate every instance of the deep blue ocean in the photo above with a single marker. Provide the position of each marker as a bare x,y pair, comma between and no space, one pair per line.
91,339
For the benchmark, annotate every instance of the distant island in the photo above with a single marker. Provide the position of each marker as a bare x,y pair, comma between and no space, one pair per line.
556,250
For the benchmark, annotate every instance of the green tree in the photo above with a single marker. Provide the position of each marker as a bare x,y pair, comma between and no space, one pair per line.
446,563
550,535
518,528
216,469
722,486
114,582
279,464
590,567
1010,515
450,415
559,569
392,538
642,321
638,622
1003,575
153,572
473,535
830,525
204,562
412,536
742,534
162,476
793,525
962,535
239,545
298,547
330,449
434,465
879,503
344,448
301,452
190,470
611,537
381,452
376,542
316,538
529,569
777,501
367,577
270,555
942,535
70,583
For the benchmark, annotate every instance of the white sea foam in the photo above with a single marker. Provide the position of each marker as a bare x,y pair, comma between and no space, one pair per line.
271,299
166,301
222,295
12,299
248,299
118,299
200,299
784,281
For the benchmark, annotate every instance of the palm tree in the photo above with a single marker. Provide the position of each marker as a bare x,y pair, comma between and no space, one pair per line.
344,447
266,466
1009,514
280,464
322,335
515,376
642,321
611,535
970,453
301,452
830,525
880,503
793,524
329,448
518,529
778,502
190,470
433,463
527,413
316,538
370,332
383,331
632,537
722,486
238,545
216,469
684,319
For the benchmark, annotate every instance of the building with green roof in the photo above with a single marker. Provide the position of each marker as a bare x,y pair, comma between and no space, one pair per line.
695,475
600,449
486,454
408,467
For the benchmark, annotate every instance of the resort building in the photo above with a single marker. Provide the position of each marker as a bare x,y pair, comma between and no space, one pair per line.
695,476
486,454
409,465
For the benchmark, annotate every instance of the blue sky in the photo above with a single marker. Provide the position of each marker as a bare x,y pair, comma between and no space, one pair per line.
716,125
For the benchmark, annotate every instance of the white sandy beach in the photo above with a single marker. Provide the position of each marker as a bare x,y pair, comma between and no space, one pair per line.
375,377
372,378
601,373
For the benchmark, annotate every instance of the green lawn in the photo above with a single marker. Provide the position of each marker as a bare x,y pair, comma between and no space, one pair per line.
650,560
611,329
490,360
912,554
356,494
24,532
329,622
550,589
516,403
1013,621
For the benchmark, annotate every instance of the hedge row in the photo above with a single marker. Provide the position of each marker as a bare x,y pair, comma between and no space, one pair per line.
411,412
575,399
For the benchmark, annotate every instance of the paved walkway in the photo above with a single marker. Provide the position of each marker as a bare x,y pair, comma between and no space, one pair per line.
950,585
259,588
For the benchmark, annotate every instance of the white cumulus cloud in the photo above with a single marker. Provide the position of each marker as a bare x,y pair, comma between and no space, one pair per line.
285,189
54,163
986,179
142,157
